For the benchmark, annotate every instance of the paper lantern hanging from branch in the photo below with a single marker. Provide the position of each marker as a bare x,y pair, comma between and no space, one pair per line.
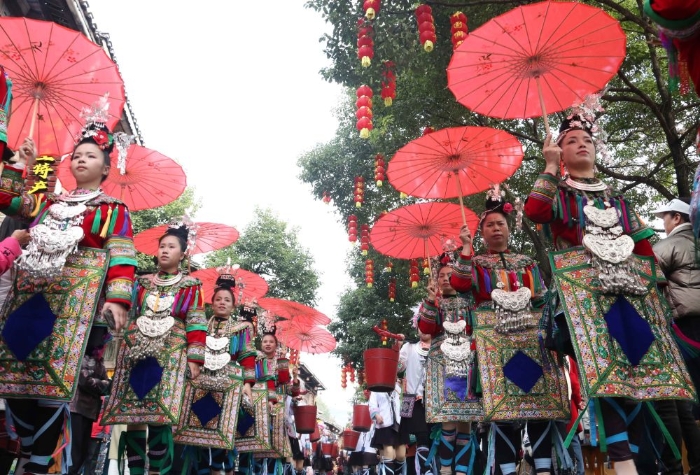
426,27
364,110
379,169
388,83
365,42
458,29
371,8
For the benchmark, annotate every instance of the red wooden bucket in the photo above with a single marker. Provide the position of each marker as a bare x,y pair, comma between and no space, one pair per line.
350,438
305,419
361,421
327,449
381,366
315,435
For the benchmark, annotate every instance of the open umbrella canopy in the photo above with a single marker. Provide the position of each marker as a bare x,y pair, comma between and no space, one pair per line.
56,72
557,51
455,161
295,311
308,339
249,285
210,237
419,230
150,180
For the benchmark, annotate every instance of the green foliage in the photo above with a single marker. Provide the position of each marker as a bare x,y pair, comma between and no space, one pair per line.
149,218
268,247
650,133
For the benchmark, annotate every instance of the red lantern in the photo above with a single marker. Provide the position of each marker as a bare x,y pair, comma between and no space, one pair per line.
459,30
384,325
369,272
426,27
392,289
326,197
379,170
343,377
414,276
371,8
389,267
364,107
359,191
351,373
352,228
365,42
428,130
364,239
426,267
388,83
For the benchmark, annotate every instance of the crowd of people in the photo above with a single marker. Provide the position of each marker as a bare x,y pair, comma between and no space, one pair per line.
505,366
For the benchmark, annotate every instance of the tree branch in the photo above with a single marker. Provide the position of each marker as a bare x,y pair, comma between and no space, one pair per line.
637,179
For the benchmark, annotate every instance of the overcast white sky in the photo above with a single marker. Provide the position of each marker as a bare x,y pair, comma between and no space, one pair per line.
231,91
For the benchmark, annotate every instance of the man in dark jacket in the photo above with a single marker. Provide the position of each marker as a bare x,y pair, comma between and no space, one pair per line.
676,256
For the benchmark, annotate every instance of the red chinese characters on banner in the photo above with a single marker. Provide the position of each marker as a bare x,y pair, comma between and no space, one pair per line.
42,175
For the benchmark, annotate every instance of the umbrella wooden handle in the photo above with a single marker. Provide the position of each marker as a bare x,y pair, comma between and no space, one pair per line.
542,106
461,199
35,113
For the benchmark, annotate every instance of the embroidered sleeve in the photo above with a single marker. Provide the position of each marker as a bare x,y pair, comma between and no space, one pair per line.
244,353
539,204
117,230
429,318
196,324
461,278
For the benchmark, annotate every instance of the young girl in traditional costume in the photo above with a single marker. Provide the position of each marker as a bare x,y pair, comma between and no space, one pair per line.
163,344
81,253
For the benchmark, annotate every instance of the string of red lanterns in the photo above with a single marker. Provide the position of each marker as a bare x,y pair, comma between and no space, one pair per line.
426,27
352,228
369,273
459,30
365,42
379,169
388,82
414,276
359,191
364,239
364,110
392,289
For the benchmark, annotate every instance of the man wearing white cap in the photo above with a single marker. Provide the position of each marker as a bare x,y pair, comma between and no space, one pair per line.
676,258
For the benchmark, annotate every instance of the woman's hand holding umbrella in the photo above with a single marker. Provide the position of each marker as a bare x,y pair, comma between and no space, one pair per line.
552,155
466,237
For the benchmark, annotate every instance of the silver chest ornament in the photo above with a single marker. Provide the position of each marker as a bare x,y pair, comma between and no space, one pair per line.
457,345
52,241
154,327
216,353
512,309
611,250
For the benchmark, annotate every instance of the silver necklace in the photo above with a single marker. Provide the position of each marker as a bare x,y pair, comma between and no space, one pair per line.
79,198
600,186
168,282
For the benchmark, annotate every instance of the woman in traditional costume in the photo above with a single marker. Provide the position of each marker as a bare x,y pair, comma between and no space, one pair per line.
163,344
510,288
229,350
81,252
606,311
450,395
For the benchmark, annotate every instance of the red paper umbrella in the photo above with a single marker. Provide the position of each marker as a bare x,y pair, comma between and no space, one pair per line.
313,339
55,73
151,179
419,230
290,310
249,285
536,59
210,237
455,162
